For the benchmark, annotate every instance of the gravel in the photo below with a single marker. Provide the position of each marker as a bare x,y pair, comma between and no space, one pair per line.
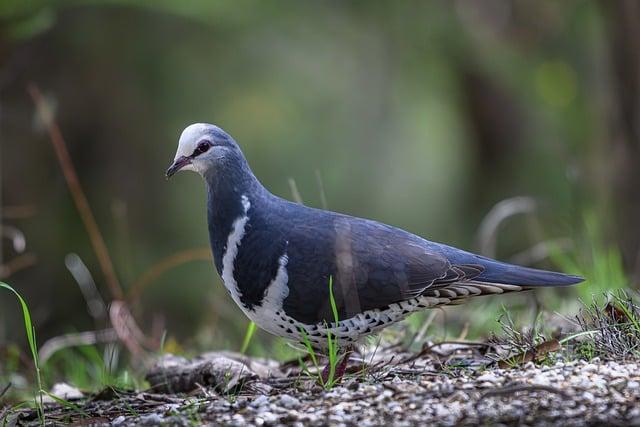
422,391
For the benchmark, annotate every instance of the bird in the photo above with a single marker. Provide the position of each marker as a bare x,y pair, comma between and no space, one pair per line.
311,275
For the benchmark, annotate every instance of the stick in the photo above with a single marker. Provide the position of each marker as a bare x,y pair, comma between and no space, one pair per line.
79,198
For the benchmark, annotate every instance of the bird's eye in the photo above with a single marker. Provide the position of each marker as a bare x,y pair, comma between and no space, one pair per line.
202,147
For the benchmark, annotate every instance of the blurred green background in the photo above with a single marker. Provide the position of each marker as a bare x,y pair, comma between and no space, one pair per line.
422,114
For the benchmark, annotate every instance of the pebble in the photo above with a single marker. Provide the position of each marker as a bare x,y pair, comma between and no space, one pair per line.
488,377
151,419
261,400
288,402
118,420
63,391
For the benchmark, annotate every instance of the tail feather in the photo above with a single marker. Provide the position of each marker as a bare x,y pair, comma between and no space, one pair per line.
509,274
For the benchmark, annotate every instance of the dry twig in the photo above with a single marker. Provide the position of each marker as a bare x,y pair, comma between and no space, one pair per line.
172,261
55,344
16,264
79,198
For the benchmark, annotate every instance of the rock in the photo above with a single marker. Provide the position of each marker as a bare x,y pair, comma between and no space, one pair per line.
173,374
288,402
63,391
259,401
150,420
118,420
488,377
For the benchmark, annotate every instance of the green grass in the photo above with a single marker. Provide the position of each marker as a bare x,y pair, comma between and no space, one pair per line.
597,261
31,338
248,335
333,349
85,367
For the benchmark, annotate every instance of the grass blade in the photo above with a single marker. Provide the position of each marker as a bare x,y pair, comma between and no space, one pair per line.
31,338
332,301
251,329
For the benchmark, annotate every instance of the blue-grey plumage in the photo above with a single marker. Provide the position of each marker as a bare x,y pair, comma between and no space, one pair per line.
276,257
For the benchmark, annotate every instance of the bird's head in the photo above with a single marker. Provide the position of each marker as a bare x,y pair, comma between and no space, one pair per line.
201,147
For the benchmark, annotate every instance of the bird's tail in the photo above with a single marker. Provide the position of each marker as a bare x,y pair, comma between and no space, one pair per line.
498,278
509,274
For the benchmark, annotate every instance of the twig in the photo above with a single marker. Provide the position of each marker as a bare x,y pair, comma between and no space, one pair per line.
79,198
4,390
464,332
172,261
129,332
423,330
428,349
517,388
535,353
95,304
55,344
16,264
487,232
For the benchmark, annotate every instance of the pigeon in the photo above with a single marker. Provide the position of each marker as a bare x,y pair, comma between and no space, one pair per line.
303,273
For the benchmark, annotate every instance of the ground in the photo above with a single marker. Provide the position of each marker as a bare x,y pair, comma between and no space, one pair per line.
446,384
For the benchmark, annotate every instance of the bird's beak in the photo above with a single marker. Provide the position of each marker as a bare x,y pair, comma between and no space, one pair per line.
178,164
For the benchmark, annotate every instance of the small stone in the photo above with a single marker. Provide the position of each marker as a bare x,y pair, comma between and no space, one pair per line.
238,419
288,401
63,391
150,420
261,400
488,377
269,417
618,384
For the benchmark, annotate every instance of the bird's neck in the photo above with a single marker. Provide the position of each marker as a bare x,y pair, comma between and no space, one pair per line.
232,192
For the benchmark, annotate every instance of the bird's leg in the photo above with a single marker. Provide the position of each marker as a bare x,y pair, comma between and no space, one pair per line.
340,367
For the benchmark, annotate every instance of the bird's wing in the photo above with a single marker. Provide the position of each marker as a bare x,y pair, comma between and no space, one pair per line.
371,266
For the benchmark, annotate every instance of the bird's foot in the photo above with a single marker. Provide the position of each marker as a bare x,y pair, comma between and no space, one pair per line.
339,371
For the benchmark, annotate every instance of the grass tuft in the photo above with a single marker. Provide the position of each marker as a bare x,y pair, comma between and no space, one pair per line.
609,329
31,338
517,346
